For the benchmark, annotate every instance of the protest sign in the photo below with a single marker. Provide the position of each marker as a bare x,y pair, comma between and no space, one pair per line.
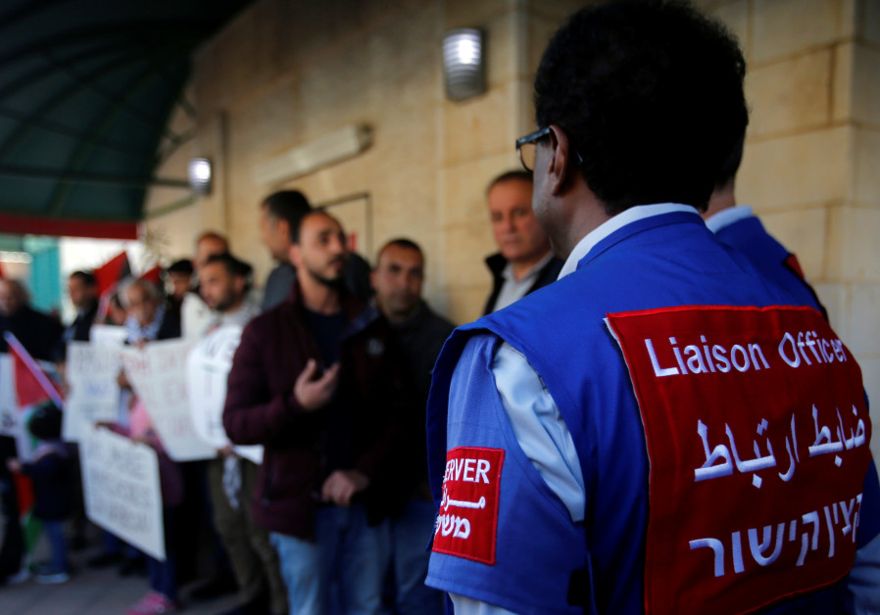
92,369
207,370
157,373
122,490
107,334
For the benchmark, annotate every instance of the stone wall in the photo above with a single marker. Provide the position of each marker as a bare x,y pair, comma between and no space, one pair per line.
283,73
812,159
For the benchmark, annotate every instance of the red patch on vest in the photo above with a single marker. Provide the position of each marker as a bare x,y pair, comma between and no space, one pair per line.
794,264
467,523
757,434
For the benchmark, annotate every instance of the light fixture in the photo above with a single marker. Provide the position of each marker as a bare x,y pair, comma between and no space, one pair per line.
199,174
464,63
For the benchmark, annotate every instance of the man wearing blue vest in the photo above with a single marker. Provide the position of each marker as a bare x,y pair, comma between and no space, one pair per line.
738,227
662,430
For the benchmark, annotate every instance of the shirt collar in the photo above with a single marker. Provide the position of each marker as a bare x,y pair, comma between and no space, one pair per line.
508,269
728,216
633,214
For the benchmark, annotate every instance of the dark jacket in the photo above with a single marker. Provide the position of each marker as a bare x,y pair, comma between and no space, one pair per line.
421,338
39,333
51,472
496,264
77,331
261,409
81,327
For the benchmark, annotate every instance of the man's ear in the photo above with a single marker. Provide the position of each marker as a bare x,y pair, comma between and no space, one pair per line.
240,284
559,171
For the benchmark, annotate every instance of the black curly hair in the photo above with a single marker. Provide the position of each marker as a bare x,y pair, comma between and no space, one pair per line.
650,94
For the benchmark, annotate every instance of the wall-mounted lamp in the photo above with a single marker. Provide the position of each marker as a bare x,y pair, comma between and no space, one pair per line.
200,174
464,63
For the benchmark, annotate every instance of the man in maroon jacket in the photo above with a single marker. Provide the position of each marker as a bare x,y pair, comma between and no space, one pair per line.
313,382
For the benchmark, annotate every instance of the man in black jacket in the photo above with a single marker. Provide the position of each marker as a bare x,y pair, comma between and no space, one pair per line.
82,288
39,333
397,280
524,262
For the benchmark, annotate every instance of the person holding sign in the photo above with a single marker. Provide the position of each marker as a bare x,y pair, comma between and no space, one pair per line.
224,282
662,430
314,381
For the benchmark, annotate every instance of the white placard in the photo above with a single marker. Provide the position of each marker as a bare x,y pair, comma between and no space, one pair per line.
92,369
207,370
122,490
10,425
157,373
107,334
13,419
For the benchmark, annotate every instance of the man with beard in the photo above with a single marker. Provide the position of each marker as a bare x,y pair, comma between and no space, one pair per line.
313,382
225,282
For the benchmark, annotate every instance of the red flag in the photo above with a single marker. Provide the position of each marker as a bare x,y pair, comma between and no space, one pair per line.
32,385
153,275
111,272
1,271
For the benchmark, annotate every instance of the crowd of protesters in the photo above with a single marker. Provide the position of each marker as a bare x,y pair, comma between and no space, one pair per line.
337,356
330,378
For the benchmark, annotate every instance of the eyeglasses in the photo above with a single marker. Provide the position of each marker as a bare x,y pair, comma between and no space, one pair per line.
527,147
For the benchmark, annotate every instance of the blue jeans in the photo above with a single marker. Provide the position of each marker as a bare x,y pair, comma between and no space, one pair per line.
348,557
300,565
163,575
57,544
411,535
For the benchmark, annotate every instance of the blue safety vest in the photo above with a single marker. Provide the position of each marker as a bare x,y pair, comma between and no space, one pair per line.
542,561
770,257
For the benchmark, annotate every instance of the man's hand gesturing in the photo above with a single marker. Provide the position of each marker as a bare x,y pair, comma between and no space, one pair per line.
313,393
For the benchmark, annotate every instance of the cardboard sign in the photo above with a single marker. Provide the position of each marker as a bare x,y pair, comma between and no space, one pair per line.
758,439
92,369
467,523
207,371
158,375
122,490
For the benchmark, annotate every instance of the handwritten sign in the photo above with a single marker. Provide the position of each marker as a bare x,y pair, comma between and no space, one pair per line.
158,375
122,489
207,370
92,369
757,433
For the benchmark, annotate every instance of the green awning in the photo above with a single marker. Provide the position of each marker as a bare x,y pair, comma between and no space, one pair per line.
86,90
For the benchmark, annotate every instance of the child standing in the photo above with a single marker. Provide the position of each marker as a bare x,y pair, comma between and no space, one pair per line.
51,473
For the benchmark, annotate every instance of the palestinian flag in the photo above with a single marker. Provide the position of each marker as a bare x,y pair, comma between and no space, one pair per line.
108,277
32,384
